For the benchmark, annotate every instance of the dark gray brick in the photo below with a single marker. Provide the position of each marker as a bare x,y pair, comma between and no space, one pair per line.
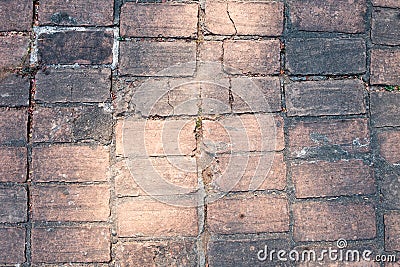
14,90
385,109
386,26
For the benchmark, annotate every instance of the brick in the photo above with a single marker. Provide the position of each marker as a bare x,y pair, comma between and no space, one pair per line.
252,214
70,163
392,231
384,108
252,57
217,18
89,47
184,97
210,51
215,98
329,16
77,12
329,221
14,204
389,142
157,58
385,66
70,244
311,138
256,94
152,218
328,179
386,3
125,185
13,126
385,26
70,203
12,240
13,164
326,56
238,172
73,85
14,51
157,253
333,97
68,124
16,15
167,20
14,90
70,264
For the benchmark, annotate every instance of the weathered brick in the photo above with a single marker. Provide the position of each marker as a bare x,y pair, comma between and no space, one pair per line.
255,57
89,47
70,244
389,142
385,26
386,3
311,138
16,15
12,240
251,214
70,203
392,231
384,108
329,16
320,221
157,253
210,51
13,126
70,163
125,185
77,12
73,85
152,218
14,51
157,58
344,97
68,124
167,20
14,202
13,164
256,94
184,97
324,179
326,56
385,66
14,90
244,18
215,98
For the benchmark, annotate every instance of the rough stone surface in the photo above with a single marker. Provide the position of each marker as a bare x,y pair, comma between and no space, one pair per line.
386,3
389,142
385,108
385,26
14,201
14,90
14,51
13,126
13,245
16,15
392,231
385,66
13,164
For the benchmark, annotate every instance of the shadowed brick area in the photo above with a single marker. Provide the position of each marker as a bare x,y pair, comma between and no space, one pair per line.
204,133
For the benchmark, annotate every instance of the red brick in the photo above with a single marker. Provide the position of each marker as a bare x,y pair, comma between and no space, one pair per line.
210,51
16,15
70,163
387,3
384,108
157,253
344,97
385,26
76,12
184,97
330,16
254,57
248,214
330,221
14,90
73,85
12,240
167,20
89,47
125,185
385,66
68,124
256,94
350,135
70,244
215,98
14,202
70,203
13,126
152,218
146,58
13,164
323,179
392,231
14,51
244,18
389,142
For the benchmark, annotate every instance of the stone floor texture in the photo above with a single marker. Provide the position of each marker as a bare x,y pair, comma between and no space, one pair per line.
199,133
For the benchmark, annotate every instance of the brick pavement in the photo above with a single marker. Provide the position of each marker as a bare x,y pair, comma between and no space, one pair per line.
121,146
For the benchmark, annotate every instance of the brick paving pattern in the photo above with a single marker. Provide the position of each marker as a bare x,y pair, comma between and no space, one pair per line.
77,75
